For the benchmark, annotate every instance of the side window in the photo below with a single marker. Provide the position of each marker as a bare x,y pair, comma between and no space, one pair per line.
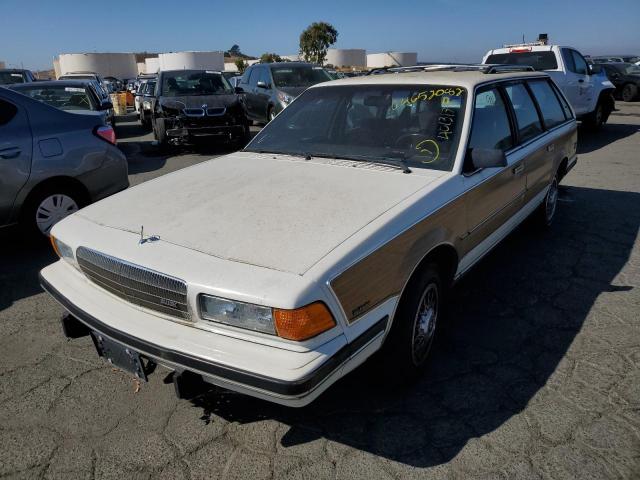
7,112
550,107
246,76
563,102
581,64
526,114
490,127
568,60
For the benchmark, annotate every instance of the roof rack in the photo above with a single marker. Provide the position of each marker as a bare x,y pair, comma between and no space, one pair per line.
457,67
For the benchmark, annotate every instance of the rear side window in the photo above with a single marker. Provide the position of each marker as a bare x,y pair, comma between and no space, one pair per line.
490,127
538,60
550,107
7,112
526,114
569,64
580,63
568,113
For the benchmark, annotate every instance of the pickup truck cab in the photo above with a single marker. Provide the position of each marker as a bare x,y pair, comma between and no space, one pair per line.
276,270
586,86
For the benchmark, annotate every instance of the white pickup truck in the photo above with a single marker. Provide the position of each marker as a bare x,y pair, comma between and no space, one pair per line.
586,86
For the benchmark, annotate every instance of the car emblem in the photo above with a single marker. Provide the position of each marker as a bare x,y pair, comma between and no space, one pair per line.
152,238
204,105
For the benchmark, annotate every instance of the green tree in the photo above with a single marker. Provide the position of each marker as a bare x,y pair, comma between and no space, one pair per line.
241,65
270,58
315,41
235,51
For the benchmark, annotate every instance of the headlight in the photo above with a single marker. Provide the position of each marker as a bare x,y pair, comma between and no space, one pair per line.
298,324
237,314
284,98
146,105
63,250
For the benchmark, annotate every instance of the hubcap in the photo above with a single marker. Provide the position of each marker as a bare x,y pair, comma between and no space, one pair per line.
552,200
424,324
53,209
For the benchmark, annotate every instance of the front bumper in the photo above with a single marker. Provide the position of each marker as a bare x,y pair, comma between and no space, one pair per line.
310,373
191,132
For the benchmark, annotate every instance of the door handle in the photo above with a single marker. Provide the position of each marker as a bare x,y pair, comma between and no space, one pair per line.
518,170
9,153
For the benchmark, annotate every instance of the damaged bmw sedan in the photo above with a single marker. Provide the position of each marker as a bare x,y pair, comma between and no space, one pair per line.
276,270
192,105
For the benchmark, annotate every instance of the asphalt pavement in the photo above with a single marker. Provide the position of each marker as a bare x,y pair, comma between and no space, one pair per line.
535,374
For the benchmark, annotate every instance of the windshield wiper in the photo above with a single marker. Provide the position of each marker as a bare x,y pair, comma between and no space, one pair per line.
399,163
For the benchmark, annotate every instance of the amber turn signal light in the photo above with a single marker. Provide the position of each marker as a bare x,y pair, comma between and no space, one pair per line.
303,323
55,247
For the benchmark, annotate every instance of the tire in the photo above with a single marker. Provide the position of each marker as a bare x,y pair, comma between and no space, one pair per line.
241,142
48,206
406,349
161,134
546,212
629,92
595,119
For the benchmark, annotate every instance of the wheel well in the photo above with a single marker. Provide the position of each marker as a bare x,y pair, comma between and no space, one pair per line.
445,257
562,169
67,183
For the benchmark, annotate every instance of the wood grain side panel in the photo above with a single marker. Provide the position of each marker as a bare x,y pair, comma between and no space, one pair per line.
383,273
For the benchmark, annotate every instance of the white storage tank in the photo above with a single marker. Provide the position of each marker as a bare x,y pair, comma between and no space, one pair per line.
389,59
346,57
191,60
119,65
152,64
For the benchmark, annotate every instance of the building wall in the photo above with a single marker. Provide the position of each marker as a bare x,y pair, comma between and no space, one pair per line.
152,64
2,64
346,57
191,60
119,65
387,59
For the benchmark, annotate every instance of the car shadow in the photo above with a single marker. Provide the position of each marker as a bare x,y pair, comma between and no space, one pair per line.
510,323
589,141
21,259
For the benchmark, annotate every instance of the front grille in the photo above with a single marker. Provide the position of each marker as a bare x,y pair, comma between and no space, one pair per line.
216,112
194,112
135,284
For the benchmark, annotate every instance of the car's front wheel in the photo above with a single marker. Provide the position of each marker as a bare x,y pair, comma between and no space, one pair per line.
407,347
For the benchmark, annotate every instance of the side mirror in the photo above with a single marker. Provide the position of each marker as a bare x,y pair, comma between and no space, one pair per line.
239,90
487,158
595,69
262,85
106,106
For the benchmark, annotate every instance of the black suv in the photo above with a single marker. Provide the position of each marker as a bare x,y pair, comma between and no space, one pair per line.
270,87
197,104
625,77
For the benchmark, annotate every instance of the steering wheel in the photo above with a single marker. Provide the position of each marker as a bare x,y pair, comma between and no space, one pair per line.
420,145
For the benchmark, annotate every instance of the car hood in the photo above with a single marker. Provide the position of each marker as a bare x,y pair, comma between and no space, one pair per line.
277,212
197,101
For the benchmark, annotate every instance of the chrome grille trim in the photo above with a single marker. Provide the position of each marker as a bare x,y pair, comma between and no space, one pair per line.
135,284
194,112
216,111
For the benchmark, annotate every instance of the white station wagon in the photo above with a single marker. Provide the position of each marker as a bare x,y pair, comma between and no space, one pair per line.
276,270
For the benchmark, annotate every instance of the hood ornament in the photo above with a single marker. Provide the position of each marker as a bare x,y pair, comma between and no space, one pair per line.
152,238
204,106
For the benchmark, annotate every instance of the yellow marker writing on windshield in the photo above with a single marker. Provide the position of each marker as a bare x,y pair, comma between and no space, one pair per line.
429,147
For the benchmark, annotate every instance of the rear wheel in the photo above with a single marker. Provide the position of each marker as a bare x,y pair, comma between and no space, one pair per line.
407,347
50,205
629,92
547,210
595,119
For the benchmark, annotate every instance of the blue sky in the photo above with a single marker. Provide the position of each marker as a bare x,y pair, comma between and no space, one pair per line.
32,32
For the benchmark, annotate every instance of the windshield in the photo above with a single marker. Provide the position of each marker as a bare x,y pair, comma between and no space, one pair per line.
298,76
7,78
150,88
64,98
179,84
77,77
419,124
538,60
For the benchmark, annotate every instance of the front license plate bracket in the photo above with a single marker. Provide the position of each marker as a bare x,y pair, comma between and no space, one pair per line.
121,356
